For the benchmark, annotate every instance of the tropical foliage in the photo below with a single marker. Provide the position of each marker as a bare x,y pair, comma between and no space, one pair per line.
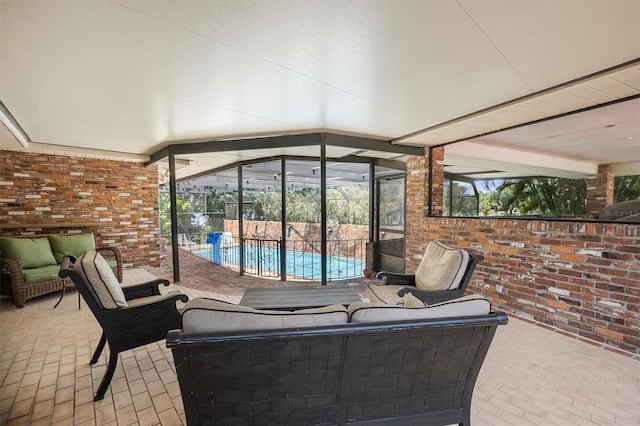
529,196
542,196
626,188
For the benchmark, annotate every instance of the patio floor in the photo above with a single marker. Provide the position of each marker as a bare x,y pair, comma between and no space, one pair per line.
532,374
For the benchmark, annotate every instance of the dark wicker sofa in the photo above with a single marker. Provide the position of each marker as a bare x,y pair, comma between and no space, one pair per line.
417,372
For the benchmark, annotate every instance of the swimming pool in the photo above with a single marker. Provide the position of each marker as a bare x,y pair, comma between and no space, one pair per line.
265,261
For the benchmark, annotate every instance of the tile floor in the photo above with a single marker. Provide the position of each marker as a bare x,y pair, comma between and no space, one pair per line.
532,375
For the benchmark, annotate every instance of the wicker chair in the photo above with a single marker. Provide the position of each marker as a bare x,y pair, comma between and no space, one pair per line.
395,286
146,318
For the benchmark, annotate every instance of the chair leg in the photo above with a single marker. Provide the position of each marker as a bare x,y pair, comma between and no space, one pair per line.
64,289
99,348
108,375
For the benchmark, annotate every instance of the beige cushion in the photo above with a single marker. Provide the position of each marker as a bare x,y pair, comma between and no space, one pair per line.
380,312
410,301
98,274
385,294
442,267
205,315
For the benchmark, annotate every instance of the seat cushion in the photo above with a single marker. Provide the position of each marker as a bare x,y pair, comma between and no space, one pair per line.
43,273
101,280
381,312
442,267
71,245
209,315
31,252
385,294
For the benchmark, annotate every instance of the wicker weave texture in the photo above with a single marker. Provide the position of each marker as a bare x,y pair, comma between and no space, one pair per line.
21,291
408,373
294,382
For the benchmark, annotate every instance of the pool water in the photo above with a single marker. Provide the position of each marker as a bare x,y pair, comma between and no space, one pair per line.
265,261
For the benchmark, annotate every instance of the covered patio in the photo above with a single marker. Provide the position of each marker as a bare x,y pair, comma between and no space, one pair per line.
534,374
102,101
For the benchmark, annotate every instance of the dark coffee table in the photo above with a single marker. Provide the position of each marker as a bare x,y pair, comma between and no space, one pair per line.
291,298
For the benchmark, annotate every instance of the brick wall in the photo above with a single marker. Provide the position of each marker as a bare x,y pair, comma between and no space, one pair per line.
580,276
600,189
120,198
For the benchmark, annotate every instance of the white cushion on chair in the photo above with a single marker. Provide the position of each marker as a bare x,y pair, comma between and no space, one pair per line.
442,267
380,312
100,277
202,315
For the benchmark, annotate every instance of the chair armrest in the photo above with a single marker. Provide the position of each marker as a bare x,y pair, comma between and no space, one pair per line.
144,321
145,301
12,266
149,288
16,276
113,253
396,279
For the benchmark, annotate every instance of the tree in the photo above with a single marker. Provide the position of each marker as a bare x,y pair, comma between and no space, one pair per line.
547,195
462,202
626,188
184,213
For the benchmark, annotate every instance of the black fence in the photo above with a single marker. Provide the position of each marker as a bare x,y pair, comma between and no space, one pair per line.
263,257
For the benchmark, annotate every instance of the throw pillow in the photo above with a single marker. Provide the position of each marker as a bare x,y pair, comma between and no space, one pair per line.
101,280
411,301
442,267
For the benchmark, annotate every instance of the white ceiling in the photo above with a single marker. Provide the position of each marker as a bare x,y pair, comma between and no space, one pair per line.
125,78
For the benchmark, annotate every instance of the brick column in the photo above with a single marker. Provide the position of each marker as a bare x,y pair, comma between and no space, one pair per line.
437,180
417,199
599,191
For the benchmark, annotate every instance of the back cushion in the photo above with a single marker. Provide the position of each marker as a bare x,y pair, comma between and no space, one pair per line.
31,252
381,312
442,267
202,315
100,277
74,245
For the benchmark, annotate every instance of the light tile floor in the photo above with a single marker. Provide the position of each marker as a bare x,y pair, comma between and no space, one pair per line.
532,375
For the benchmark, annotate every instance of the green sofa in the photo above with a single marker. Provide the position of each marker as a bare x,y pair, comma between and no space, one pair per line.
30,265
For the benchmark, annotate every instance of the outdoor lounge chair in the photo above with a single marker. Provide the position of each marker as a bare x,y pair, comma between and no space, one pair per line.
444,274
130,316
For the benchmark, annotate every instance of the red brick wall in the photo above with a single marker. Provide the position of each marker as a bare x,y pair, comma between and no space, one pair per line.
582,277
121,198
600,189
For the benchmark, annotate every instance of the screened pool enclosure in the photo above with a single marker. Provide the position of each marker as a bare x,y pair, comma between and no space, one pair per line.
293,217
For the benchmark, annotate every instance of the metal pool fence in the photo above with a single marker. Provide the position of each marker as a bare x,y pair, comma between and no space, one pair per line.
262,257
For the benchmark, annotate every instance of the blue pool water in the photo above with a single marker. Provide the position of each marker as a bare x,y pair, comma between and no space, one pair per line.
266,262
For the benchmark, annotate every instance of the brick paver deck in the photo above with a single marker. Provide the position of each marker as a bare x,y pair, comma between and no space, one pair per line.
532,375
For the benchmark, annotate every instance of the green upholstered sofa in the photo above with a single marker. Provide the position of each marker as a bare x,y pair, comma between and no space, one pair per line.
30,265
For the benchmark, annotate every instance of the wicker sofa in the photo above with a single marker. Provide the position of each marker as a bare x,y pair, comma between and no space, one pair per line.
368,364
30,266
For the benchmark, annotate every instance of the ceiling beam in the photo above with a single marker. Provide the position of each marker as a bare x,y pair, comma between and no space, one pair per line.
468,153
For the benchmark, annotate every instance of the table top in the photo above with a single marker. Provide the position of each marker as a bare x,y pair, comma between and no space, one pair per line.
290,298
